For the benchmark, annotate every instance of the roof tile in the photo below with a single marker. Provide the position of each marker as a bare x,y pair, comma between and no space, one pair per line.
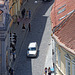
66,34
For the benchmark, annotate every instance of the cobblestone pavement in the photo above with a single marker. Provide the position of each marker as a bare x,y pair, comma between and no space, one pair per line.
40,32
18,28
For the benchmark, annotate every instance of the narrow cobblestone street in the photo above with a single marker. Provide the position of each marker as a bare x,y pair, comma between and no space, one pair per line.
40,32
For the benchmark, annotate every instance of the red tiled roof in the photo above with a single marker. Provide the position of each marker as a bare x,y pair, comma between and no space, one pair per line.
66,34
69,6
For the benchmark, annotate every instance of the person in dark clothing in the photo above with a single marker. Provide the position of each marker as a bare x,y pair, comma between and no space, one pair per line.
45,70
11,71
23,13
49,71
18,20
23,27
29,26
29,13
24,10
14,56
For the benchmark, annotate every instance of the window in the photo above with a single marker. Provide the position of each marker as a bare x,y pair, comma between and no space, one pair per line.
1,15
66,15
73,67
62,6
32,49
59,58
61,10
67,64
67,67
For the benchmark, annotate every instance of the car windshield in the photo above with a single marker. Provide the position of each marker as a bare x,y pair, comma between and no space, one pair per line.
32,49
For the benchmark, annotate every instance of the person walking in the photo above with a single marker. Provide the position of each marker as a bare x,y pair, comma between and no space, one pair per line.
18,20
23,13
24,10
45,70
29,13
23,27
29,27
14,56
11,71
49,71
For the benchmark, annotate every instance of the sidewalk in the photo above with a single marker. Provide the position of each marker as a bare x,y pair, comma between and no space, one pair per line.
49,61
18,28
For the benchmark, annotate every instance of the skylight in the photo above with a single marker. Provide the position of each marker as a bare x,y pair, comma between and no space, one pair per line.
66,15
61,10
62,6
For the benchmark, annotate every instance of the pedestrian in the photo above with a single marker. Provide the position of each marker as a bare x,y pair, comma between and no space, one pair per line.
11,57
24,10
29,26
14,56
49,71
29,13
53,64
23,27
45,70
18,20
11,71
23,13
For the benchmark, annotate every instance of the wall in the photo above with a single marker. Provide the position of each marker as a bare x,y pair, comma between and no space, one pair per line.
62,68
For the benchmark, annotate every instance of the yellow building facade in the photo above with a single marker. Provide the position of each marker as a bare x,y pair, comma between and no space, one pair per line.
14,9
64,61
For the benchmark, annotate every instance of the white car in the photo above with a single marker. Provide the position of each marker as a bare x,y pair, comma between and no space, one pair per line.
32,49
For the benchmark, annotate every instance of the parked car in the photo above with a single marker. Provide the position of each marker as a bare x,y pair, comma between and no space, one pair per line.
32,49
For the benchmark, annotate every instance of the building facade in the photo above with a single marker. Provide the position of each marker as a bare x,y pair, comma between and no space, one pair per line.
64,61
14,9
4,36
9,9
63,27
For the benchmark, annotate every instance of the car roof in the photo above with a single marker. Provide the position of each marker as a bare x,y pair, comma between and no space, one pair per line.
32,44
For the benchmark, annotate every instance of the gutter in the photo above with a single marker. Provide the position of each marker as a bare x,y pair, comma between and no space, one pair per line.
63,45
